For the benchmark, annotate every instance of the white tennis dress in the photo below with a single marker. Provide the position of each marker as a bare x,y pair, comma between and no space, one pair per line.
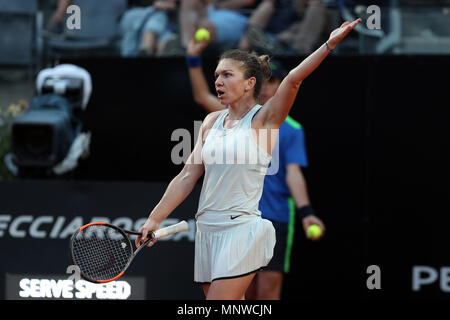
232,238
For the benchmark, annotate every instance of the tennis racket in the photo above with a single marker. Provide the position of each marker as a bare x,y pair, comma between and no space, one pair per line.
103,251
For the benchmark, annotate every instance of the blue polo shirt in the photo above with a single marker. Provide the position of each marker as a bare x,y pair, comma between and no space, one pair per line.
274,203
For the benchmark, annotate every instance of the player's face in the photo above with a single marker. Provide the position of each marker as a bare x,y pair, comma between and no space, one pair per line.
230,83
268,89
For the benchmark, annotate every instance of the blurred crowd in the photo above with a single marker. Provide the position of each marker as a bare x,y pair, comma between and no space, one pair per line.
164,27
132,28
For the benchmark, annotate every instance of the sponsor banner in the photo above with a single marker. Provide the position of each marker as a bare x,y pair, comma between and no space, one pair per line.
31,226
38,218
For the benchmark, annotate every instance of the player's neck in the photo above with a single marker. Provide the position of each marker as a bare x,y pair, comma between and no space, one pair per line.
239,110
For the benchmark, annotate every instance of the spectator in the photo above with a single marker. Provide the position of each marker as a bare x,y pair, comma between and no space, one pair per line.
146,29
285,27
56,23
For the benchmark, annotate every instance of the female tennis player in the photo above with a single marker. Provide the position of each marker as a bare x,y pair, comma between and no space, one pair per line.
232,240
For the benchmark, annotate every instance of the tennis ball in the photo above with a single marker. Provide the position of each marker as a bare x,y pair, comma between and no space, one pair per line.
313,231
201,34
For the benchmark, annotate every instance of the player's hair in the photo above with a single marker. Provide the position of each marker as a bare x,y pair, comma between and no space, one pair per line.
252,66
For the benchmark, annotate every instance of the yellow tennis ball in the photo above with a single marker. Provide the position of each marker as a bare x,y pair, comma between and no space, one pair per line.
202,34
313,231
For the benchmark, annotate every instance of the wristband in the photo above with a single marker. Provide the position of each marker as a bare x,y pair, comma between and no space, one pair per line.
304,211
328,47
194,61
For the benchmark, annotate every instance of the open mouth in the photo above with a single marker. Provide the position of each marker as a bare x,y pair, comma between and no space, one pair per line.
220,93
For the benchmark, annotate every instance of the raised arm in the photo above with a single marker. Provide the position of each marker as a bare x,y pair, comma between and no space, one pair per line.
280,104
200,89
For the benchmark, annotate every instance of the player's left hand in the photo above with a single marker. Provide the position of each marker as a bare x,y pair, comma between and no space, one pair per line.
340,33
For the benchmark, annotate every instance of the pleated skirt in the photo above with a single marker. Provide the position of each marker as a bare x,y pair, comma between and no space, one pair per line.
229,248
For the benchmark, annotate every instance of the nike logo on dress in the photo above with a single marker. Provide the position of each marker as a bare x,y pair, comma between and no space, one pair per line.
234,217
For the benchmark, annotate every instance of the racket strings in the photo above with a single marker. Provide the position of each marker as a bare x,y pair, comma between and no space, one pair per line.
101,252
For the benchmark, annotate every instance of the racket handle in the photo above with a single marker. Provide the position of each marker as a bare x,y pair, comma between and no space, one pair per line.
167,231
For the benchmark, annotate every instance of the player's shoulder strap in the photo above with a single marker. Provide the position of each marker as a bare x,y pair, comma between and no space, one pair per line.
213,119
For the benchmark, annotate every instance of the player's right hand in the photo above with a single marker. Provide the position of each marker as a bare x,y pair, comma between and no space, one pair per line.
149,226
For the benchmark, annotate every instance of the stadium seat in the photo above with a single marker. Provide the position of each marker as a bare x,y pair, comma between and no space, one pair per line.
98,31
17,18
